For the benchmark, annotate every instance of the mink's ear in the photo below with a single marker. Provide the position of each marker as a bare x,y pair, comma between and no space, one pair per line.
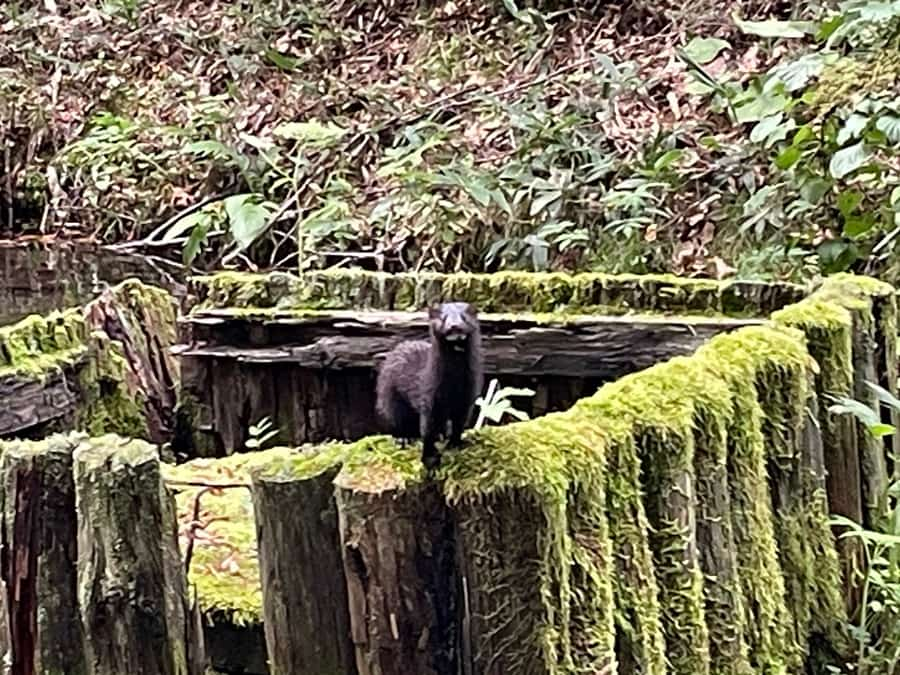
471,311
434,313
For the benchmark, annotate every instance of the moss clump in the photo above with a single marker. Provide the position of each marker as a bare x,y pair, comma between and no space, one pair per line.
505,291
37,346
106,405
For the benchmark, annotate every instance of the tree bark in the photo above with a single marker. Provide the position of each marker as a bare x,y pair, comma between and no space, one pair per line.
398,561
304,594
131,590
41,629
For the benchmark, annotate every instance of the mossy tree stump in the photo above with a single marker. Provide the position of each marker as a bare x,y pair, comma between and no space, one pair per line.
306,620
40,621
397,544
131,585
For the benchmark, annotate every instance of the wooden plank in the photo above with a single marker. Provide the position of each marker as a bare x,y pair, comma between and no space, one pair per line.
577,346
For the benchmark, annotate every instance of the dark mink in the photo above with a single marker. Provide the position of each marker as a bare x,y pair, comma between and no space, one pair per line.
424,385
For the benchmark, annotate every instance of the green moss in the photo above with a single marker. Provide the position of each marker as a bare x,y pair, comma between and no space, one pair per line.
224,568
37,346
107,406
505,291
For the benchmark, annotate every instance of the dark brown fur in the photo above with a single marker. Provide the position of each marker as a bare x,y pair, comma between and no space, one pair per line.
426,385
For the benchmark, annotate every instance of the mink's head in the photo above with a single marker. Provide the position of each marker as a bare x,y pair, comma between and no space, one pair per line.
454,323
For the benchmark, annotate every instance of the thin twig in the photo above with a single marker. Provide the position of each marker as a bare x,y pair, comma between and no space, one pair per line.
192,530
205,484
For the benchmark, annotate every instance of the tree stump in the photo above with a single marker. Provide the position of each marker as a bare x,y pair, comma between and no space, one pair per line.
41,628
130,589
397,541
304,595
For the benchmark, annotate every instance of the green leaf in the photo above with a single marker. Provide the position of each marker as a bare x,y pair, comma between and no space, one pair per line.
857,226
194,243
180,227
478,191
881,430
247,218
836,255
667,159
279,60
886,397
772,28
862,412
847,160
760,106
848,200
765,127
312,133
852,128
889,125
814,189
788,157
704,50
500,200
543,200
796,74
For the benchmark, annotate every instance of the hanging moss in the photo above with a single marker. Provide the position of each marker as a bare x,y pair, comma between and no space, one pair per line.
504,291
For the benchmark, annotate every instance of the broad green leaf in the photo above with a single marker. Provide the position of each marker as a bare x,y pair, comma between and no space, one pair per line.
847,160
247,219
704,50
765,127
852,128
857,226
543,200
788,157
848,200
814,189
478,191
889,125
760,106
836,255
312,133
772,28
795,75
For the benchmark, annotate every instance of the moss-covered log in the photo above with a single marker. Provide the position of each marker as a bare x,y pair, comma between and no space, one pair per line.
131,585
306,619
501,292
398,557
40,620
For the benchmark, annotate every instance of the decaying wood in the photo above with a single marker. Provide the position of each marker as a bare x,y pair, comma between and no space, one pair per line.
130,575
578,346
304,595
41,628
398,562
30,401
145,339
872,456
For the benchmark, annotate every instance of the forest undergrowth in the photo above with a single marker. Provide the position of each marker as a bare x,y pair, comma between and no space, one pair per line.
755,140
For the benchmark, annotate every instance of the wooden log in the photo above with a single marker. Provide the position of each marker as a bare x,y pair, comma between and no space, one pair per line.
30,401
398,561
41,629
141,319
580,346
130,580
305,613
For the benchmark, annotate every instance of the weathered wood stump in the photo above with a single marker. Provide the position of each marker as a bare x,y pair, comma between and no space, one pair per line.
40,621
397,544
131,585
304,594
